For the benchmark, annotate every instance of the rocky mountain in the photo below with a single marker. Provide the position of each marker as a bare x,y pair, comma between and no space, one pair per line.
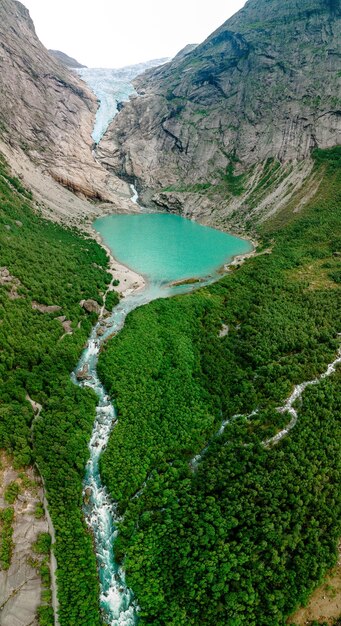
47,116
65,59
186,50
246,106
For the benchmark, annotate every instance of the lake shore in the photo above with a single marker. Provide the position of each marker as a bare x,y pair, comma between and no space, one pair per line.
236,261
129,281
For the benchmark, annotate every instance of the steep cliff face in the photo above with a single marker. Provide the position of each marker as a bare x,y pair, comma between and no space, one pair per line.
65,59
47,112
265,85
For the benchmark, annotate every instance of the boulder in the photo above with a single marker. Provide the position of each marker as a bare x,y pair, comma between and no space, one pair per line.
43,308
83,373
91,306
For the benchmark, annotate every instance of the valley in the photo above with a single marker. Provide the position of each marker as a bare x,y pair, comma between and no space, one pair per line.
177,413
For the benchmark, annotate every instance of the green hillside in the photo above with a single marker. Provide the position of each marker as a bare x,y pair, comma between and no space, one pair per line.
245,537
42,263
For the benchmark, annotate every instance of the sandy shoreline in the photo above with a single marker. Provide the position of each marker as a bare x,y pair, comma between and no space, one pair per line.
238,259
129,281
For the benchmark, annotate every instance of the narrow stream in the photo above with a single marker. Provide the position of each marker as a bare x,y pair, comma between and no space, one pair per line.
117,601
288,407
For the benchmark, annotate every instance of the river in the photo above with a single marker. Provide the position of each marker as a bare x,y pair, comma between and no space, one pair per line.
180,250
117,601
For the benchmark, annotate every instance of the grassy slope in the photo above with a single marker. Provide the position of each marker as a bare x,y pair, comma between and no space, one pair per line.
246,538
55,267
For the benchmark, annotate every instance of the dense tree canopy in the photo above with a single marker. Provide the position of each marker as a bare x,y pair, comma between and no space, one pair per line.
51,266
244,538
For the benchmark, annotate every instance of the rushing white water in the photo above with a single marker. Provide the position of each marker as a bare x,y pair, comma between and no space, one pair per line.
286,408
296,394
134,198
117,600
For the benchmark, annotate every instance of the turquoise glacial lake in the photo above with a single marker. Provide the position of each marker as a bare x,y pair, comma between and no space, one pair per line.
165,247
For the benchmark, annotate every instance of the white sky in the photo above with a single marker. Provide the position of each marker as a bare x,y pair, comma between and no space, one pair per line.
105,33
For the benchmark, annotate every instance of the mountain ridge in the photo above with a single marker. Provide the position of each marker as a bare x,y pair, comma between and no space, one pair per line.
46,123
265,85
65,59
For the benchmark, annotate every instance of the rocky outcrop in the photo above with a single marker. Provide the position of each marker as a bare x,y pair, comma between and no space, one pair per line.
91,306
265,86
43,308
83,373
13,283
65,59
21,585
47,116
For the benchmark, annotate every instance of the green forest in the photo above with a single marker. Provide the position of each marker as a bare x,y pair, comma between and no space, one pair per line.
52,266
243,537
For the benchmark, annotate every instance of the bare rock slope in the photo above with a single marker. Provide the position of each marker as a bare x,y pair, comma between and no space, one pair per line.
47,114
265,85
21,586
65,59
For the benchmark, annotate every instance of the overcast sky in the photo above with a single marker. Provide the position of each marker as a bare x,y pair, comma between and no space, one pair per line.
109,33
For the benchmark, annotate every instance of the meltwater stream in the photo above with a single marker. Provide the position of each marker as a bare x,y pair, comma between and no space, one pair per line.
117,601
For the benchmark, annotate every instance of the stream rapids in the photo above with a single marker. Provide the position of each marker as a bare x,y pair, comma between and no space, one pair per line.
116,599
118,605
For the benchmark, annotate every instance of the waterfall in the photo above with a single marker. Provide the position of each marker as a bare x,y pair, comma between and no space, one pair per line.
135,195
